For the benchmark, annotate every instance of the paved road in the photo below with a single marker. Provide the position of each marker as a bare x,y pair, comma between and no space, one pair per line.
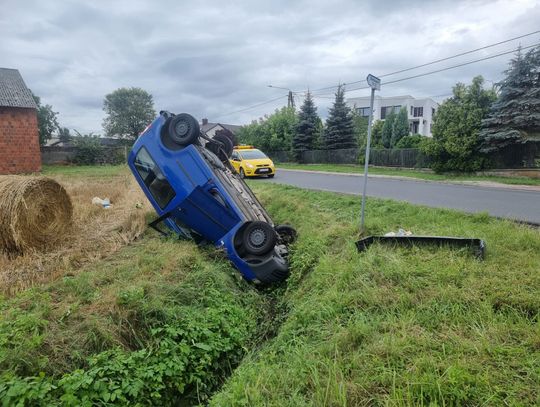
508,203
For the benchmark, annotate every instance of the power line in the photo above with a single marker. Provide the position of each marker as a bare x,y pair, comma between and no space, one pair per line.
251,107
437,60
449,67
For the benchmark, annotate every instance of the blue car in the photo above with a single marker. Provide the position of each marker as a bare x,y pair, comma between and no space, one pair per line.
198,195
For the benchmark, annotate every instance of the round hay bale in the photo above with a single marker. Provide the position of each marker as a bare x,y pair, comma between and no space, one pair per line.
35,213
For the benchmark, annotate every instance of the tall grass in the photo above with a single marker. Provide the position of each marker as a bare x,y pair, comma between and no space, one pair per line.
394,325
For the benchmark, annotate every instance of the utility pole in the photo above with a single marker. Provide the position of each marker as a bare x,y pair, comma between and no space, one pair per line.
290,102
375,84
290,98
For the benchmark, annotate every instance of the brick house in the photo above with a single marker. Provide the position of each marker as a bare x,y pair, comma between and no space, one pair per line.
19,137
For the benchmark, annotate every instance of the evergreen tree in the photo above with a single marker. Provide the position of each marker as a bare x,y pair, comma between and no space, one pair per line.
306,128
339,131
515,117
400,127
387,130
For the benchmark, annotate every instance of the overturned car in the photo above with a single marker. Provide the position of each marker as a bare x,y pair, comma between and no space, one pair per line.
197,194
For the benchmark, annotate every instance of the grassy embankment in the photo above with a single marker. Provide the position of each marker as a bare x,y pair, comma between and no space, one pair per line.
425,175
397,326
392,326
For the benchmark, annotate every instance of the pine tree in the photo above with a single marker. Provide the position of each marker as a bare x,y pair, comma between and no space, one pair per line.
515,116
400,127
306,128
387,130
339,131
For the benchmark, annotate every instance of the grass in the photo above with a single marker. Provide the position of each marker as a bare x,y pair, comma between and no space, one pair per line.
111,310
397,326
84,171
95,233
392,326
430,176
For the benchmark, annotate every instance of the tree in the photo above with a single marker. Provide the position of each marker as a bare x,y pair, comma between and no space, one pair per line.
360,125
306,127
388,129
515,116
271,133
412,141
455,145
64,135
339,132
400,127
376,134
47,120
129,111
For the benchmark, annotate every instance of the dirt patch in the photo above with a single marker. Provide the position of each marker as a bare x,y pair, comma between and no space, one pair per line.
95,233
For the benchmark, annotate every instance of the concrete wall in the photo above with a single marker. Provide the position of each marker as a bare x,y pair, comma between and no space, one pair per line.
19,141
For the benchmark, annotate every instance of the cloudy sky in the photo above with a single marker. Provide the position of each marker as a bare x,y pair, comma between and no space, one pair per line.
214,58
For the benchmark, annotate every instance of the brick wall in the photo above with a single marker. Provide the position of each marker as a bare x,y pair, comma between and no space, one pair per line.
19,141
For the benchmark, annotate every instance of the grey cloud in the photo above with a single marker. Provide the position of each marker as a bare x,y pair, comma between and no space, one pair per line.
211,57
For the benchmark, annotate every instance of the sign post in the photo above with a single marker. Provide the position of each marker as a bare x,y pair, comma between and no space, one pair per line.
375,84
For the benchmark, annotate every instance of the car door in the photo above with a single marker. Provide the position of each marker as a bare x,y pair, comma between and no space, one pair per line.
236,160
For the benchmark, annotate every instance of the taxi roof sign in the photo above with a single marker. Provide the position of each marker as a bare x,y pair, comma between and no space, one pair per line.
243,147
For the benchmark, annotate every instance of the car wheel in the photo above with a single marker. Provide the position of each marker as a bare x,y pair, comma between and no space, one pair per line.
287,234
259,238
183,129
226,143
242,173
271,175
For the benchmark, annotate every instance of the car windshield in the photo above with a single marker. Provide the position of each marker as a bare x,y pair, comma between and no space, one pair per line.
252,154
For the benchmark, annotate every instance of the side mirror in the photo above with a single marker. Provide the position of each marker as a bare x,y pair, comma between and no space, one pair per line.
237,159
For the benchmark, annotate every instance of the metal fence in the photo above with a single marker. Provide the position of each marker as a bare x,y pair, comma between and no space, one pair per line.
407,157
525,155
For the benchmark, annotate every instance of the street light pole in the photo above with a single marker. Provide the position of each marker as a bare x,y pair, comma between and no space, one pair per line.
375,84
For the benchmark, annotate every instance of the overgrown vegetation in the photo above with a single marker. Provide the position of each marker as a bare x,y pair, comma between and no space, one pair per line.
159,323
163,322
397,326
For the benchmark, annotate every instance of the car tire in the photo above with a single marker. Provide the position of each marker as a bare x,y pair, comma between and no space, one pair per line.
287,234
226,143
271,175
183,129
242,173
259,238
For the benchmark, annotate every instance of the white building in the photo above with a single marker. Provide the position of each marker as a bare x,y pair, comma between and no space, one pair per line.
420,111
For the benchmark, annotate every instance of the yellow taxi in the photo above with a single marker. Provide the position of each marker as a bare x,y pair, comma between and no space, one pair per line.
250,162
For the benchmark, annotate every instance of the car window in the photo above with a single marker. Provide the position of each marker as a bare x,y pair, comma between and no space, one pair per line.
153,178
235,155
253,154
